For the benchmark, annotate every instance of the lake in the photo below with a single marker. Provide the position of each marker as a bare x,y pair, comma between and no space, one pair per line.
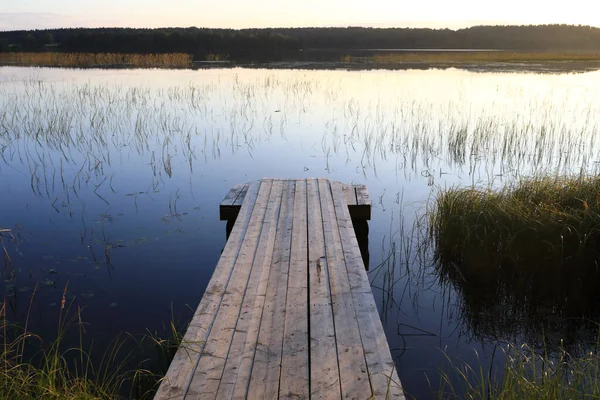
111,181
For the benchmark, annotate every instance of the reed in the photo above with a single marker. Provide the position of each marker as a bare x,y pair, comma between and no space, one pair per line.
545,223
167,60
527,374
31,368
472,57
524,258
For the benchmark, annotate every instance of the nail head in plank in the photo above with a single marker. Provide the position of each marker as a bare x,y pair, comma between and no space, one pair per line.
294,381
324,369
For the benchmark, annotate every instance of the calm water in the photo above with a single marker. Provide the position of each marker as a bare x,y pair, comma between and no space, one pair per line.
111,179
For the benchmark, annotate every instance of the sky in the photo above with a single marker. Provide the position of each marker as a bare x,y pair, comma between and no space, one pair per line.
453,14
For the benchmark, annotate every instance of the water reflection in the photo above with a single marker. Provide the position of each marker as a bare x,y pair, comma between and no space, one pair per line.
549,309
112,181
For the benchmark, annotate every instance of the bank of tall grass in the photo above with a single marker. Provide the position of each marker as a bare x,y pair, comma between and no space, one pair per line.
527,375
525,259
57,59
546,223
431,57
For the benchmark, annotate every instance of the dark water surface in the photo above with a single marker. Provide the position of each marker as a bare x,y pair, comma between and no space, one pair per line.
110,181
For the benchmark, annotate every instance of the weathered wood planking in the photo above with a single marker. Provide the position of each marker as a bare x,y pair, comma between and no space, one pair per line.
357,198
231,204
289,311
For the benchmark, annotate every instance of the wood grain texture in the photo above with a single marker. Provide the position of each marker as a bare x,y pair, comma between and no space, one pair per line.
228,209
242,347
264,381
381,367
209,370
324,369
294,380
288,312
175,383
354,379
239,200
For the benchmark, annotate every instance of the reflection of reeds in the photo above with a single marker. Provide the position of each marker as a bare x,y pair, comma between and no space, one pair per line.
525,258
216,57
77,129
471,57
6,234
167,60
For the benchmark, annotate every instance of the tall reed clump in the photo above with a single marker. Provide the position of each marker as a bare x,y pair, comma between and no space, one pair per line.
526,258
545,223
167,60
527,374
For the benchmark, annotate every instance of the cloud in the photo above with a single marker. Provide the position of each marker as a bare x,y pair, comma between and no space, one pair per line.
34,20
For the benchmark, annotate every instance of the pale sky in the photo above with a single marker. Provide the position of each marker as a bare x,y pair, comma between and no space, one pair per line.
41,14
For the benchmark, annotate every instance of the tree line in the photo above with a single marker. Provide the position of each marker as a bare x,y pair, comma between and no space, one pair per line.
277,43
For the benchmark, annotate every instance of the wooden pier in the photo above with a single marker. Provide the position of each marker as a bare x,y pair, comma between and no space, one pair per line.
289,311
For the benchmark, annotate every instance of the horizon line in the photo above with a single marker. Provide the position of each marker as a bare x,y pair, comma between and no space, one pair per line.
313,27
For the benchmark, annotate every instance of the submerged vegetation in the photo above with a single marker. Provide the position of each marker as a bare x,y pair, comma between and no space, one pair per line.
79,60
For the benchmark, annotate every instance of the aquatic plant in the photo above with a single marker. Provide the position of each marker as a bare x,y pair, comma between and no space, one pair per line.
527,374
524,258
49,59
443,57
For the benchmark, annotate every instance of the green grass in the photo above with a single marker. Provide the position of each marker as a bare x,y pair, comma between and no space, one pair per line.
30,368
545,224
527,375
525,259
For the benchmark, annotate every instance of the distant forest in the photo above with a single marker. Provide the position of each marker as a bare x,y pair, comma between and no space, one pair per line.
286,42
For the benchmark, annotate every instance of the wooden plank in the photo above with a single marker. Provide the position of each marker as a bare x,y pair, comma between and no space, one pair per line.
294,381
233,193
362,195
264,380
176,381
242,348
381,367
324,370
354,379
227,209
349,194
362,210
209,370
239,200
289,311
